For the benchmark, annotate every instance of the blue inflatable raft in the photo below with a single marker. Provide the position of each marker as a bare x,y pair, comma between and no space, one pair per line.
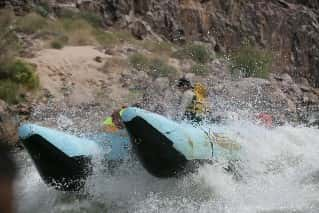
164,147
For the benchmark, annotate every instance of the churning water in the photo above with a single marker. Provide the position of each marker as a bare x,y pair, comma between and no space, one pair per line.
279,169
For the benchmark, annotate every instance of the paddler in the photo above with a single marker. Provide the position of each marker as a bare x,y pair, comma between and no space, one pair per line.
193,105
114,122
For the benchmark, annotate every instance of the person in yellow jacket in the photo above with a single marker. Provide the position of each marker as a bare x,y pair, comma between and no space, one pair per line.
193,104
198,108
114,123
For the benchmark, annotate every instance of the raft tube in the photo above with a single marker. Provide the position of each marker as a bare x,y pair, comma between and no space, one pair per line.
63,160
167,148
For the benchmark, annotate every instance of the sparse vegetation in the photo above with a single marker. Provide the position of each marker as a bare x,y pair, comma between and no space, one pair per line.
59,42
93,19
21,73
196,52
139,62
42,8
199,69
157,46
56,44
114,64
105,38
79,27
111,38
249,61
32,23
16,77
158,68
155,67
9,91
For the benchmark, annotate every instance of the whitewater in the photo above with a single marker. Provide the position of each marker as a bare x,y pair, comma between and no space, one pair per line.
278,167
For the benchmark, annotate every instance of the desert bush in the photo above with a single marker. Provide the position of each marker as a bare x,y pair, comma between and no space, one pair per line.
24,74
42,8
56,44
59,42
92,18
250,61
114,64
105,38
200,69
32,23
139,61
155,67
9,91
157,46
158,68
196,52
67,13
16,77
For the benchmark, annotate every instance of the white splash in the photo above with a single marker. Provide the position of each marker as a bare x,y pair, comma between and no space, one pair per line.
279,169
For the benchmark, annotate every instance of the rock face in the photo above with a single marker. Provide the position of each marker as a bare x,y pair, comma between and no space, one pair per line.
309,3
19,6
289,28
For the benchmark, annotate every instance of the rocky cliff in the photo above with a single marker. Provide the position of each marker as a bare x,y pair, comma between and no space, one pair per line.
288,28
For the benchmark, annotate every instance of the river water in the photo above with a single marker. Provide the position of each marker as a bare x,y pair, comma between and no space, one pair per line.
279,169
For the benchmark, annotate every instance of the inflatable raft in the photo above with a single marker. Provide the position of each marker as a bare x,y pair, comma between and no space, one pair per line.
164,147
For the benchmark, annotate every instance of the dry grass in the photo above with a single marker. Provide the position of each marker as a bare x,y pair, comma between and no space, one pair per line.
115,64
158,47
153,66
196,52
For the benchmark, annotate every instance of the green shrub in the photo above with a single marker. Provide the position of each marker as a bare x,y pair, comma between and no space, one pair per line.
157,46
200,69
158,68
196,52
59,42
70,24
56,44
42,8
32,23
105,38
21,73
67,13
249,61
155,67
139,62
92,18
24,74
9,91
15,77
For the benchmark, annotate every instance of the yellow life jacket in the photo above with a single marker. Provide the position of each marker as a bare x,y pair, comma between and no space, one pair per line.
109,124
198,105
